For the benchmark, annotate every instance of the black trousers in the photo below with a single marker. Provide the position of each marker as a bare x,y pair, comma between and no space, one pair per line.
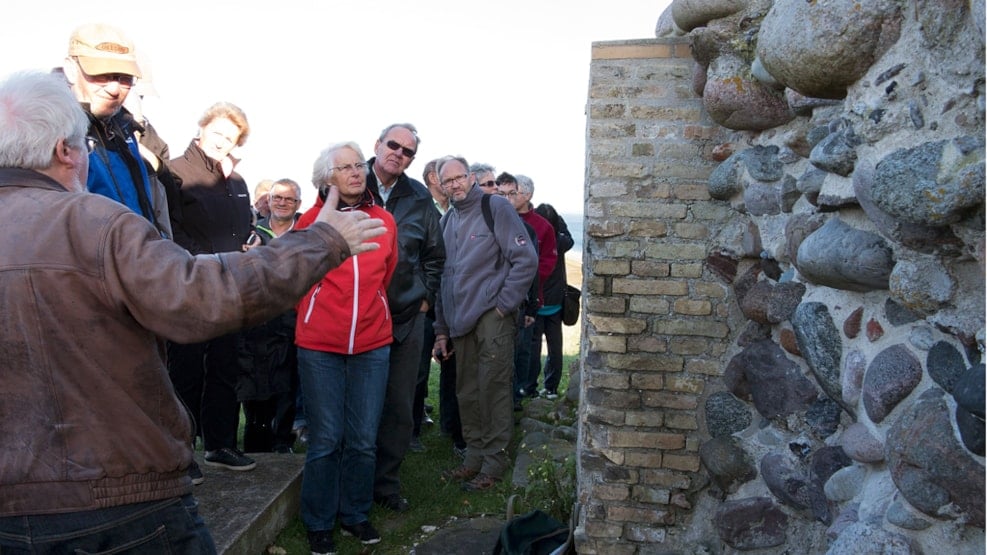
204,376
396,422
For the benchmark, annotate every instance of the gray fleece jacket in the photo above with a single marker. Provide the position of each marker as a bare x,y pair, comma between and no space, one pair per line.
482,271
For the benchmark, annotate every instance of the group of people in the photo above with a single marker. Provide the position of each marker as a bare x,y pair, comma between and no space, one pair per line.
179,301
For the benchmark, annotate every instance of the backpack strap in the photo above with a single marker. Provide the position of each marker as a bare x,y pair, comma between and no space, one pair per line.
487,214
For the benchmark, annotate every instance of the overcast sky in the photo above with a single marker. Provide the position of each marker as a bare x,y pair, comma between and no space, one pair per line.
500,82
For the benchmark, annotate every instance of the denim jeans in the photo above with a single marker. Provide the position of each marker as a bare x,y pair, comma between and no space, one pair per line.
343,396
152,528
523,380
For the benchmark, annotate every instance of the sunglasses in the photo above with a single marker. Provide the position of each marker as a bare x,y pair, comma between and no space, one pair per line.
487,184
393,145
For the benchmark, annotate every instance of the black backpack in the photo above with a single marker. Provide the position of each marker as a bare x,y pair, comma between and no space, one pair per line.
533,533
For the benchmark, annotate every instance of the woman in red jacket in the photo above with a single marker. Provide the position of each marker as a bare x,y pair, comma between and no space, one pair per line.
343,335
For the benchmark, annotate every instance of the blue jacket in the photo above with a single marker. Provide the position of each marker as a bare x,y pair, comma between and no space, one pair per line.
116,168
483,270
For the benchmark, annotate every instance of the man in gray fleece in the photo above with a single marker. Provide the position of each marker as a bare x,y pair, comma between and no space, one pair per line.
490,263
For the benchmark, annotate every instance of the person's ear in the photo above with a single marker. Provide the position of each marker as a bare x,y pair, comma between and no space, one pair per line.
63,153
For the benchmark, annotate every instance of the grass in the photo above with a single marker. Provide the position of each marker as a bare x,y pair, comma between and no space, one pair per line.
435,503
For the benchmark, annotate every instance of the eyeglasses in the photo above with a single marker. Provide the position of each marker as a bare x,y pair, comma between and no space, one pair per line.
487,184
87,145
102,79
461,179
358,167
395,146
279,198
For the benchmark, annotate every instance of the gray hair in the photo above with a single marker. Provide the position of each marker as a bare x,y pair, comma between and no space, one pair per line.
525,184
291,183
446,159
36,111
480,167
407,126
322,168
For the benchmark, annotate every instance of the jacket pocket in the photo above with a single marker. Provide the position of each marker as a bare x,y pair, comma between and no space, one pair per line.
311,303
387,309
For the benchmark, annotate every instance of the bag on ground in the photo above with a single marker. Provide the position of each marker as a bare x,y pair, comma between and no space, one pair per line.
534,533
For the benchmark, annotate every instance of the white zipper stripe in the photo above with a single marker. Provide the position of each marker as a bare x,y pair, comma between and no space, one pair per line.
356,302
311,302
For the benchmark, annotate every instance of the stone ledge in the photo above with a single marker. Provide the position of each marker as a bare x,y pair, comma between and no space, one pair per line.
245,511
641,49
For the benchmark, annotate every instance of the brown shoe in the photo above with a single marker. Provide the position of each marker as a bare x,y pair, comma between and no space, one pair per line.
482,482
459,474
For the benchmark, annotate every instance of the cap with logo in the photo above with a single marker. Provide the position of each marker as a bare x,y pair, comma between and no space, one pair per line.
101,48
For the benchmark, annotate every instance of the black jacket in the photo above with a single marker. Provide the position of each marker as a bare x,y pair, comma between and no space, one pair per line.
421,253
554,286
215,210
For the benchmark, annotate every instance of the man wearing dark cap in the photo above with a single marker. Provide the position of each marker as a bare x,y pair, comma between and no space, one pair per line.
101,66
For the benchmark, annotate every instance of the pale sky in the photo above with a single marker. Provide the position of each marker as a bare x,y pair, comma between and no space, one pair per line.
499,82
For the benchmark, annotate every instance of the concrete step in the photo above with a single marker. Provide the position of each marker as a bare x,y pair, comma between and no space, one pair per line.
245,511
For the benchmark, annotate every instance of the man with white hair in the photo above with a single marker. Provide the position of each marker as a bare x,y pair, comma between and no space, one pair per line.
96,445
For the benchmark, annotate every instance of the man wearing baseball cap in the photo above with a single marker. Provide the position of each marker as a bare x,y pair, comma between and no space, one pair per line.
101,66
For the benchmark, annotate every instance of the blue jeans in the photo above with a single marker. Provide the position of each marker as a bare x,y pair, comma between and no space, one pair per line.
523,380
344,397
152,528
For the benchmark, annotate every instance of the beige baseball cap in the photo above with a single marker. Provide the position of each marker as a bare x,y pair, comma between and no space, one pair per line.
102,48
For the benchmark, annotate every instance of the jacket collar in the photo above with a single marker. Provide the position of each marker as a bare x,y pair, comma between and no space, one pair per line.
20,177
193,153
400,188
473,196
366,200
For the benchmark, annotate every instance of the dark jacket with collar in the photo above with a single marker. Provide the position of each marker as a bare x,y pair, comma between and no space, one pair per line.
215,209
421,252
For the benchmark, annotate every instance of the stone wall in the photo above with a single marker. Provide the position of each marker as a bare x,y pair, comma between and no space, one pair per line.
656,320
784,277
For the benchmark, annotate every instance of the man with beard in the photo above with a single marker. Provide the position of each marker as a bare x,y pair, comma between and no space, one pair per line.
488,271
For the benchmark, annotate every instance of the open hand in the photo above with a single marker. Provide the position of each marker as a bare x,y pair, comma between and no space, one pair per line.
356,227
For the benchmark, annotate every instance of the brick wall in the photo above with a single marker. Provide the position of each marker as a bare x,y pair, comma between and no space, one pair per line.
656,321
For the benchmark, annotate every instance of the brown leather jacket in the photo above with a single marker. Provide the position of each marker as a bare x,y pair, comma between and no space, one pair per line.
88,288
